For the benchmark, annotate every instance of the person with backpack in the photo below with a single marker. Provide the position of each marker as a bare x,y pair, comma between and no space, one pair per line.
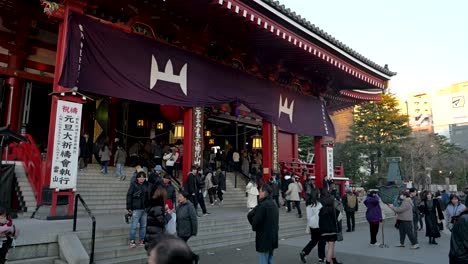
350,202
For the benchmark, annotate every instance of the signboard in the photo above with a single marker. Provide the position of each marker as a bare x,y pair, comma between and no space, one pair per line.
275,147
197,135
330,167
66,146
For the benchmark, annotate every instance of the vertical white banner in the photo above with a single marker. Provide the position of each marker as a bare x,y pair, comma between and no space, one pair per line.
197,135
330,167
66,146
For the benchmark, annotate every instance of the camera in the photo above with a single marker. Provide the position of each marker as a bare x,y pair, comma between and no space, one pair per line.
128,217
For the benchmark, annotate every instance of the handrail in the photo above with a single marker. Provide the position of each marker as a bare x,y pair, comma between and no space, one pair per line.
93,234
29,154
298,168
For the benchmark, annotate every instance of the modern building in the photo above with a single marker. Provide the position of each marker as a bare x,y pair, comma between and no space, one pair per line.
450,113
419,111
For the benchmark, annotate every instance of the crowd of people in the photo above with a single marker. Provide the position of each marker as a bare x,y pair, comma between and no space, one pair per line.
157,208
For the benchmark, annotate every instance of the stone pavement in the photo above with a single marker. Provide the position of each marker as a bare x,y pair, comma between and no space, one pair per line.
354,249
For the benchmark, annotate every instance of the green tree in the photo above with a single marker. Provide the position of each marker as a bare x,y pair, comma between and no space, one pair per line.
433,155
349,156
305,145
378,129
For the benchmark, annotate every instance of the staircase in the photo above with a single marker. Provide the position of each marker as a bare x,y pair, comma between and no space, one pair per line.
23,190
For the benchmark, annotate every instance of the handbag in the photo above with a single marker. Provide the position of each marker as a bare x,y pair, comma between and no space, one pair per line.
339,232
397,224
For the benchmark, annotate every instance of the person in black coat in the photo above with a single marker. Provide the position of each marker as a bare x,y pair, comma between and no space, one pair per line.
170,189
191,187
264,219
328,225
459,240
187,222
275,186
137,199
201,188
86,149
221,184
158,217
433,216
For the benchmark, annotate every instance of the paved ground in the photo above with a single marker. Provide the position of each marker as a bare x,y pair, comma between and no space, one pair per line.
354,249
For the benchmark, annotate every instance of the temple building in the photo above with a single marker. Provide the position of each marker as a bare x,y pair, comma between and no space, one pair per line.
246,71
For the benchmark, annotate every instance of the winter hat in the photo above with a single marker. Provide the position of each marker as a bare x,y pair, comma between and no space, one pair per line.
138,168
158,168
287,177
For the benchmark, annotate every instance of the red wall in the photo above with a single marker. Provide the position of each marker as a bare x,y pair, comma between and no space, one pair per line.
287,146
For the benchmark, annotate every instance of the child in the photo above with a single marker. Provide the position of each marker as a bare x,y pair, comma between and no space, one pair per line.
8,233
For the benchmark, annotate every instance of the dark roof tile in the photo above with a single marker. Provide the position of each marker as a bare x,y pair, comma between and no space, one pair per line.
302,21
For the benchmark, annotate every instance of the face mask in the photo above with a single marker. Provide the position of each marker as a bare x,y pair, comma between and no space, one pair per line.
402,197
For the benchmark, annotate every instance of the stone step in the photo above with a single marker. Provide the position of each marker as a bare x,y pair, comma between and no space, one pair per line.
35,260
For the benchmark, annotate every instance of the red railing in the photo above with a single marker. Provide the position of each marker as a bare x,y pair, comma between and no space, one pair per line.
29,154
297,167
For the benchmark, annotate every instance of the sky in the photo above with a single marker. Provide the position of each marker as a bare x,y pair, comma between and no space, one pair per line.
424,41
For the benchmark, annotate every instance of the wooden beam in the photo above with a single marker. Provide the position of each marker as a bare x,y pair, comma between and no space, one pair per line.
26,75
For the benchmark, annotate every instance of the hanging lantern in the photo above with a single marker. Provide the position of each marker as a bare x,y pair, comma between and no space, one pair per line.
211,141
207,133
179,130
160,126
140,123
257,141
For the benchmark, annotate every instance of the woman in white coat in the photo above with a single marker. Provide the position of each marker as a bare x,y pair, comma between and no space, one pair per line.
313,210
252,193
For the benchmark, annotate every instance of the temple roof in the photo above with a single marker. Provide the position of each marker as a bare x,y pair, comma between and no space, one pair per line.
333,41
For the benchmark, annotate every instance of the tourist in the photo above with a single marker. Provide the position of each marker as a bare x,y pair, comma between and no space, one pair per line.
264,219
155,178
274,184
373,215
221,184
433,216
236,160
292,195
158,216
104,155
416,201
211,185
350,203
8,233
120,158
245,163
137,199
328,225
211,161
309,187
170,189
170,157
459,240
191,186
405,219
169,250
86,151
252,193
312,209
454,209
200,191
187,222
134,153
285,186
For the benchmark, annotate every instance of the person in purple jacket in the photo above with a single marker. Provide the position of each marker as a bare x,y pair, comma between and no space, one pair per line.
373,215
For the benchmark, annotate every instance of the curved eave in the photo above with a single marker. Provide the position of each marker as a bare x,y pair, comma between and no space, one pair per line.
305,26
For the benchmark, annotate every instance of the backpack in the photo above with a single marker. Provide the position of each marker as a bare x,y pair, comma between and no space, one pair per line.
214,179
351,200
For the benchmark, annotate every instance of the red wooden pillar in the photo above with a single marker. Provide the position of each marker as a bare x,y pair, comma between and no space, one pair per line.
319,175
60,56
16,61
266,150
295,152
188,144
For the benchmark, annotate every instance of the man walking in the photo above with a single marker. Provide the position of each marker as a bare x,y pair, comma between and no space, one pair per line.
274,184
191,186
264,219
137,198
416,201
350,203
